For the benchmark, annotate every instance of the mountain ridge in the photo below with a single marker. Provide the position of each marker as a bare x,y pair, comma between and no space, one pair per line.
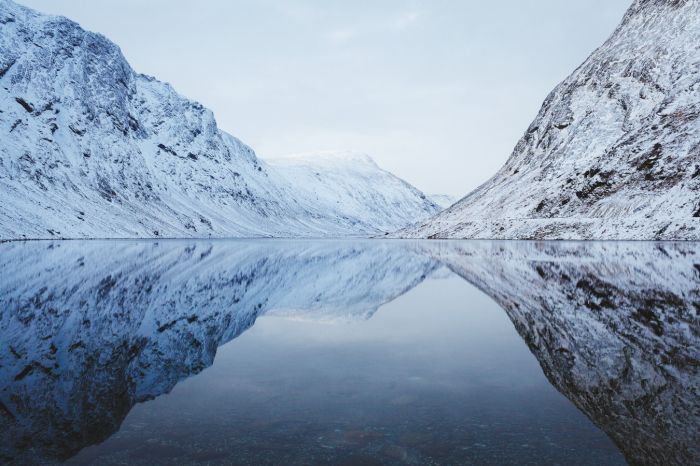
93,149
614,152
344,184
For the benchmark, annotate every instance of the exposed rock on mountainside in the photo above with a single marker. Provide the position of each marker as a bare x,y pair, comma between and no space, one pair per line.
615,150
89,148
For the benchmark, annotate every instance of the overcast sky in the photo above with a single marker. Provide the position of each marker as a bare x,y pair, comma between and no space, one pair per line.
437,91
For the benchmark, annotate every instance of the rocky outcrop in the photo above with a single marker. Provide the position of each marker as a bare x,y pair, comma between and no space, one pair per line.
91,149
615,150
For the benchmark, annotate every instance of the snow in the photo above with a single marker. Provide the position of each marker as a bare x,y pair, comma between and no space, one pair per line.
443,200
350,185
613,153
91,149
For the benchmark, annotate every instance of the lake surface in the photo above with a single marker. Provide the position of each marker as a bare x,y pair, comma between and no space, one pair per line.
349,352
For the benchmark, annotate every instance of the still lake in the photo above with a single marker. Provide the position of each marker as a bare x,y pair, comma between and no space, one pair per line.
349,352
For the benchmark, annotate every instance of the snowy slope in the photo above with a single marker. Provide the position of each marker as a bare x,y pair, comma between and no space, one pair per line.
615,150
351,186
443,200
89,148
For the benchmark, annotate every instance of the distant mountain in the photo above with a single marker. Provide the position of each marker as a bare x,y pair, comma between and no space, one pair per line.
350,186
615,150
89,148
443,200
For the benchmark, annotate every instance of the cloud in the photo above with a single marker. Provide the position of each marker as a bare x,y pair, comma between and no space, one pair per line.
397,23
302,12
406,20
342,35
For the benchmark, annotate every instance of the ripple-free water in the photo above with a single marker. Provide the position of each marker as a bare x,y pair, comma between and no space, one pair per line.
349,352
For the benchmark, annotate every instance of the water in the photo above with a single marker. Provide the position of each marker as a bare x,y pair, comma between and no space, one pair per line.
349,352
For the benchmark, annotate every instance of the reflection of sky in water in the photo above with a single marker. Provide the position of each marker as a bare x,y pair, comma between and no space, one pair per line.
255,352
437,376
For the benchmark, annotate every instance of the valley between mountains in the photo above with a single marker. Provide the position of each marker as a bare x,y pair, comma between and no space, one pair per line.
92,149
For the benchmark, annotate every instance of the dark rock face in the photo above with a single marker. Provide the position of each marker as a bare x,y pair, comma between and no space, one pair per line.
615,328
615,150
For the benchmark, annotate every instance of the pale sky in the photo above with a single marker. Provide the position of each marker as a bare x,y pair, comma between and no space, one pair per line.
438,91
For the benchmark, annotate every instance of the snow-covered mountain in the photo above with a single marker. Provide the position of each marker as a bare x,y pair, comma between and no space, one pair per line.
90,148
615,150
443,200
350,186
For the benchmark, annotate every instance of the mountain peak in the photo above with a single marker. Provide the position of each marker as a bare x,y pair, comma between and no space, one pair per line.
328,156
351,184
613,153
90,148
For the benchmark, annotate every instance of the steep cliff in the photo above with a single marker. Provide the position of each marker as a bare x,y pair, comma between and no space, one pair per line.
91,149
615,150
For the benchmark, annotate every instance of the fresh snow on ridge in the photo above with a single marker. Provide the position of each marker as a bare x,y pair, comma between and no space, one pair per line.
615,150
350,185
443,200
89,148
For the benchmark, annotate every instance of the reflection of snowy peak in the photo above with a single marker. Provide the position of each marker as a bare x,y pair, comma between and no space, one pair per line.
350,185
443,200
89,329
89,148
615,150
615,328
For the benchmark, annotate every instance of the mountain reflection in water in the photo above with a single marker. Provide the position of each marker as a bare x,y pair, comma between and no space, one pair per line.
89,329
